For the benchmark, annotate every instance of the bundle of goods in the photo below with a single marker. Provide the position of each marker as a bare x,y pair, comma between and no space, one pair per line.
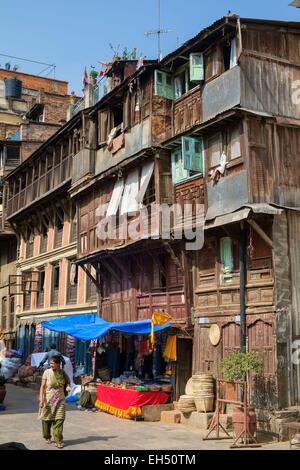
154,388
27,373
11,363
104,374
186,404
83,379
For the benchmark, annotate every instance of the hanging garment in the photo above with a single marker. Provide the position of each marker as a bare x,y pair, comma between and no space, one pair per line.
159,319
170,353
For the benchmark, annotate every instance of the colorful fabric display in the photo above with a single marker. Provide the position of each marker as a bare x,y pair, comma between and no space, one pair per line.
170,352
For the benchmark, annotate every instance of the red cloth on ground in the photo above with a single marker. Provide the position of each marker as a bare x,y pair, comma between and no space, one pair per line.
124,399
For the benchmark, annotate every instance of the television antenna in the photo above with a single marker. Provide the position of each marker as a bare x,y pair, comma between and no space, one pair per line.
157,32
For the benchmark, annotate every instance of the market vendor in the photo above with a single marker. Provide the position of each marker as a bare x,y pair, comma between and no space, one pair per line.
50,354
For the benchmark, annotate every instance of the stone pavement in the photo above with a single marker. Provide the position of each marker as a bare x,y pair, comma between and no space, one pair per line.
98,431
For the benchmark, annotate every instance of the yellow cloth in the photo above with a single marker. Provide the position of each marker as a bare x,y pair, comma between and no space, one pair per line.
130,413
159,319
170,352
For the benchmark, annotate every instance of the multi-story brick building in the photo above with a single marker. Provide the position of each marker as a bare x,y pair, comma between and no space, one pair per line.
32,108
48,283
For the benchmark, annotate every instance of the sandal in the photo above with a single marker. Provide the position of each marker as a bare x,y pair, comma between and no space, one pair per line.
59,445
48,441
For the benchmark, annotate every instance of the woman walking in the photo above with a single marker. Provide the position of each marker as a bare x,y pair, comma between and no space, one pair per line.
52,401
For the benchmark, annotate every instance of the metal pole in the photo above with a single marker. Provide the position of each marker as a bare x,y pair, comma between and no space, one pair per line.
242,253
158,31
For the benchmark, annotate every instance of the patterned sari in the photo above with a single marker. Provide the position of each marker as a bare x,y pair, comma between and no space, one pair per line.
54,408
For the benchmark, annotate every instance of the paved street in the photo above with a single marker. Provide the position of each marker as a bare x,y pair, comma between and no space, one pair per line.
94,431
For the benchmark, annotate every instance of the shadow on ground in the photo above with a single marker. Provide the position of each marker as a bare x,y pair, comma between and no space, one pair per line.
72,442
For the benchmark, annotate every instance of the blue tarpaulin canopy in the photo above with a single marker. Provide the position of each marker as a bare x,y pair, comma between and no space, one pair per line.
90,326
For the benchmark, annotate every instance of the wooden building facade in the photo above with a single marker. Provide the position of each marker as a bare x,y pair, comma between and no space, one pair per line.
213,125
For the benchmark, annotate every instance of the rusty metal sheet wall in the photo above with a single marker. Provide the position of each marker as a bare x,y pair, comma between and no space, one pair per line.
267,86
294,248
222,93
273,163
228,195
283,307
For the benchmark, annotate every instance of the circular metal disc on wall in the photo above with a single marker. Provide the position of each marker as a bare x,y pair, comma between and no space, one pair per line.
214,334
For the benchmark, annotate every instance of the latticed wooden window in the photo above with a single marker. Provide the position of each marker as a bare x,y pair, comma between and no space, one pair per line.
55,284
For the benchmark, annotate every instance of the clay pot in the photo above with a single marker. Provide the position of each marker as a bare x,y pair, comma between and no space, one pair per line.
2,393
238,421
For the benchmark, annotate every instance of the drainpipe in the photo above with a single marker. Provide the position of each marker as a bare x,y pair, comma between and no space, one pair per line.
242,253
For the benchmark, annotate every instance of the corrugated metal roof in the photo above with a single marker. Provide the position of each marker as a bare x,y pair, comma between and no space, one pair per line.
242,214
236,216
231,19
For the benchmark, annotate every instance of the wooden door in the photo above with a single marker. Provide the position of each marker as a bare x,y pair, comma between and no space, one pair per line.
261,338
183,369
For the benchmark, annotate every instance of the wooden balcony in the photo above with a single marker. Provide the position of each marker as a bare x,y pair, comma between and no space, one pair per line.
89,242
187,111
40,187
193,193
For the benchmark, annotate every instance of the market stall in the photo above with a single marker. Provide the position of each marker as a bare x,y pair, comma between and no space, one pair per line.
131,361
127,403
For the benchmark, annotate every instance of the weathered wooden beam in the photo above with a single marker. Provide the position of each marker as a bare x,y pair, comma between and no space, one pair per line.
173,256
260,232
119,264
50,212
90,276
157,261
112,272
66,205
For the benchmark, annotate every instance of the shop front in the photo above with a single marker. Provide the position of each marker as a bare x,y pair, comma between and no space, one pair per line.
129,370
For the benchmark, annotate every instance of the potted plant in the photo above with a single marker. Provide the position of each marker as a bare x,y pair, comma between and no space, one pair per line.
238,367
2,388
93,77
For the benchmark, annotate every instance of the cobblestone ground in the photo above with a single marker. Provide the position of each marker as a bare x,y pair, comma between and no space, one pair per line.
99,431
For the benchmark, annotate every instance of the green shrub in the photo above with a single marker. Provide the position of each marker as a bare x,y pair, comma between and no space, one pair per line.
236,366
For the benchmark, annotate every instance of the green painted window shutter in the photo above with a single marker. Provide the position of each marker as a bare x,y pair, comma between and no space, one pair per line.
187,144
193,154
196,67
163,85
178,171
226,254
198,160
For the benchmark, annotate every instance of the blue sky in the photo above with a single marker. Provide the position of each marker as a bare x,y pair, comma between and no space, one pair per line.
74,34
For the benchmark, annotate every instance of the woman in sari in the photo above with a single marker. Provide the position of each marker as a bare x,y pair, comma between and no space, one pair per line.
52,401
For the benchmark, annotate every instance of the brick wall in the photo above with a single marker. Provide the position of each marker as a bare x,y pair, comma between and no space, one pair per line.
37,131
35,83
6,129
27,148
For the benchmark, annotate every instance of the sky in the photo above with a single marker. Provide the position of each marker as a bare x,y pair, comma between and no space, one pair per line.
73,34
